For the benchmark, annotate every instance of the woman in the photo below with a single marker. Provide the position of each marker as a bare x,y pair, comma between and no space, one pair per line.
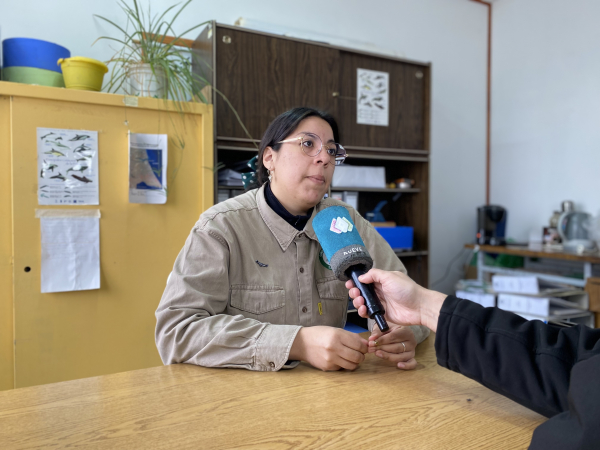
251,288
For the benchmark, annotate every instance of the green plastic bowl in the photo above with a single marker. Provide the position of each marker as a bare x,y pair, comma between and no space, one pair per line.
32,75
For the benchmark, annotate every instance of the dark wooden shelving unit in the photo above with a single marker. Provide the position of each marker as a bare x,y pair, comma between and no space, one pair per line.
263,74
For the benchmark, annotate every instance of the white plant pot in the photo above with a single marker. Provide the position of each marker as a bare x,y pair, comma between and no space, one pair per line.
142,82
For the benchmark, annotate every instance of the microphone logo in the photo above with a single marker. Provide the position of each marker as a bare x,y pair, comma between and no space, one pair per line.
353,250
341,225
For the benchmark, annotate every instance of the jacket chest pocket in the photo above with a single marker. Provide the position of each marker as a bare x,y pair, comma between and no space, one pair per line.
334,301
264,303
331,288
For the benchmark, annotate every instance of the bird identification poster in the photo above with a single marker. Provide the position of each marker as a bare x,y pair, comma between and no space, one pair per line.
372,97
67,166
148,168
70,249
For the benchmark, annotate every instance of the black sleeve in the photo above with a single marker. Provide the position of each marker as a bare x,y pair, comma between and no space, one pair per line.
579,427
527,361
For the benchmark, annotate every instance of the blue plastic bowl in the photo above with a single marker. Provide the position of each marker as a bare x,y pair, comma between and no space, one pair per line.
26,52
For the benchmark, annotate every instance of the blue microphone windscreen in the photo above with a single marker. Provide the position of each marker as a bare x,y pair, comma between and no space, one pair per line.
335,230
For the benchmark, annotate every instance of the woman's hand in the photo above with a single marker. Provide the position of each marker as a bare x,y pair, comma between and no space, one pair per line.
329,348
397,345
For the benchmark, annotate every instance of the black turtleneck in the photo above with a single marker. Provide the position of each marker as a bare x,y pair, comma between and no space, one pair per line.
298,222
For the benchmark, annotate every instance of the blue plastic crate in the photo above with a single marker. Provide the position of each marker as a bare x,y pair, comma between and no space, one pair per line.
399,238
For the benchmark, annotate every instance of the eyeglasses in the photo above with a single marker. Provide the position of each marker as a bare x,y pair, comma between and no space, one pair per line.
312,145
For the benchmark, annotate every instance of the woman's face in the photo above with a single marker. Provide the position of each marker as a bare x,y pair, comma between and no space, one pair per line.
299,181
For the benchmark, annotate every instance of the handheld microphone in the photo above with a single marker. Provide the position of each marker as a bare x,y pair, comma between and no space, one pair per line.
347,255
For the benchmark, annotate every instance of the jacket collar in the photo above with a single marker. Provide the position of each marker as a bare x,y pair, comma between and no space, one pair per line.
283,231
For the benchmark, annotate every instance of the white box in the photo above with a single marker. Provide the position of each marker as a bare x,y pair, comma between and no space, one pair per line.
519,285
541,306
527,284
522,304
358,176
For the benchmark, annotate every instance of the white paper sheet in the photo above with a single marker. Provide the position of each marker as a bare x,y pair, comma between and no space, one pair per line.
148,168
67,167
372,97
70,250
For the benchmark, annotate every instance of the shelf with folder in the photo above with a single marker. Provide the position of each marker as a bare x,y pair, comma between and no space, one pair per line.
587,261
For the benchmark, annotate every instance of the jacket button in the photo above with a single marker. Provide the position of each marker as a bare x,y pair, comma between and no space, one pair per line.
272,364
304,309
301,235
301,269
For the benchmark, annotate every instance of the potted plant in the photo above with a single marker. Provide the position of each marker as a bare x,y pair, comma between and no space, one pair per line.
152,61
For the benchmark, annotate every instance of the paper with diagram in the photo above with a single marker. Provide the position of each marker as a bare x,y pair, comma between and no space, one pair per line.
70,249
147,168
372,97
67,167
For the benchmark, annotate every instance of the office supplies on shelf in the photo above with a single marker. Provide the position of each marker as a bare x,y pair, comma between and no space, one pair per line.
404,183
358,176
541,306
376,215
526,284
229,177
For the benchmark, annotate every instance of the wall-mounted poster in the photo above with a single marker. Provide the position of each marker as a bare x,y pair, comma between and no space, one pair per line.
372,97
70,249
147,168
67,167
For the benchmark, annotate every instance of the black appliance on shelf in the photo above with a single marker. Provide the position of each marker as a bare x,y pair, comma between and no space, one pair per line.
491,225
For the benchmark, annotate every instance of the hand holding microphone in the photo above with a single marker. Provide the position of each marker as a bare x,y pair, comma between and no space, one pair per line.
348,256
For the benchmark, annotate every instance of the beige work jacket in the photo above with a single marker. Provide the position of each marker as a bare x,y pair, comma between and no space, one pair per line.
246,281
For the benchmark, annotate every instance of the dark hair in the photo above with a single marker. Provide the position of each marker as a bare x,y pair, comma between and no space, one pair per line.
281,127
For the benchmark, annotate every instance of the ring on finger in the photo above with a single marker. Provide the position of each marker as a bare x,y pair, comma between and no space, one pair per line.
403,345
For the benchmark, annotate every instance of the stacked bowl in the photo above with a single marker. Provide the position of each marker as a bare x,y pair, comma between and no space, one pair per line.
32,61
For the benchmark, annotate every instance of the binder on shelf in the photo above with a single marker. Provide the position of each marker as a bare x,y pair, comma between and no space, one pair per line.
528,284
351,197
541,306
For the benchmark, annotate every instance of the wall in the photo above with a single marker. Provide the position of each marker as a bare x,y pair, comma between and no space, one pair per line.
545,109
449,33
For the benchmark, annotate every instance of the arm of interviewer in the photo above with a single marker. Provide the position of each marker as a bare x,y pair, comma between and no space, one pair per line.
527,361
190,324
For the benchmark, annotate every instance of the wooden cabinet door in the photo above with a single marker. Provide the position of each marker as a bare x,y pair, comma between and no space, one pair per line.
407,103
263,76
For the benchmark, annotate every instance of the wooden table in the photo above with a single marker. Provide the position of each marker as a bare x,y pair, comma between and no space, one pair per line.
184,406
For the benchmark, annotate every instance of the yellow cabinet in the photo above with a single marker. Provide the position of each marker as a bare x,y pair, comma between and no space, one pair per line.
46,338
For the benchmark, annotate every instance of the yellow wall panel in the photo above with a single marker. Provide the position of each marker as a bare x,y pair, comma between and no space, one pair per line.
63,336
6,285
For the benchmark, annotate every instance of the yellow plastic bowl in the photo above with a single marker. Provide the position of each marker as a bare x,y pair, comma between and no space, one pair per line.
82,73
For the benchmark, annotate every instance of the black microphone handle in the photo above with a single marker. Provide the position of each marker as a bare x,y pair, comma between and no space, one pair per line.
374,306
